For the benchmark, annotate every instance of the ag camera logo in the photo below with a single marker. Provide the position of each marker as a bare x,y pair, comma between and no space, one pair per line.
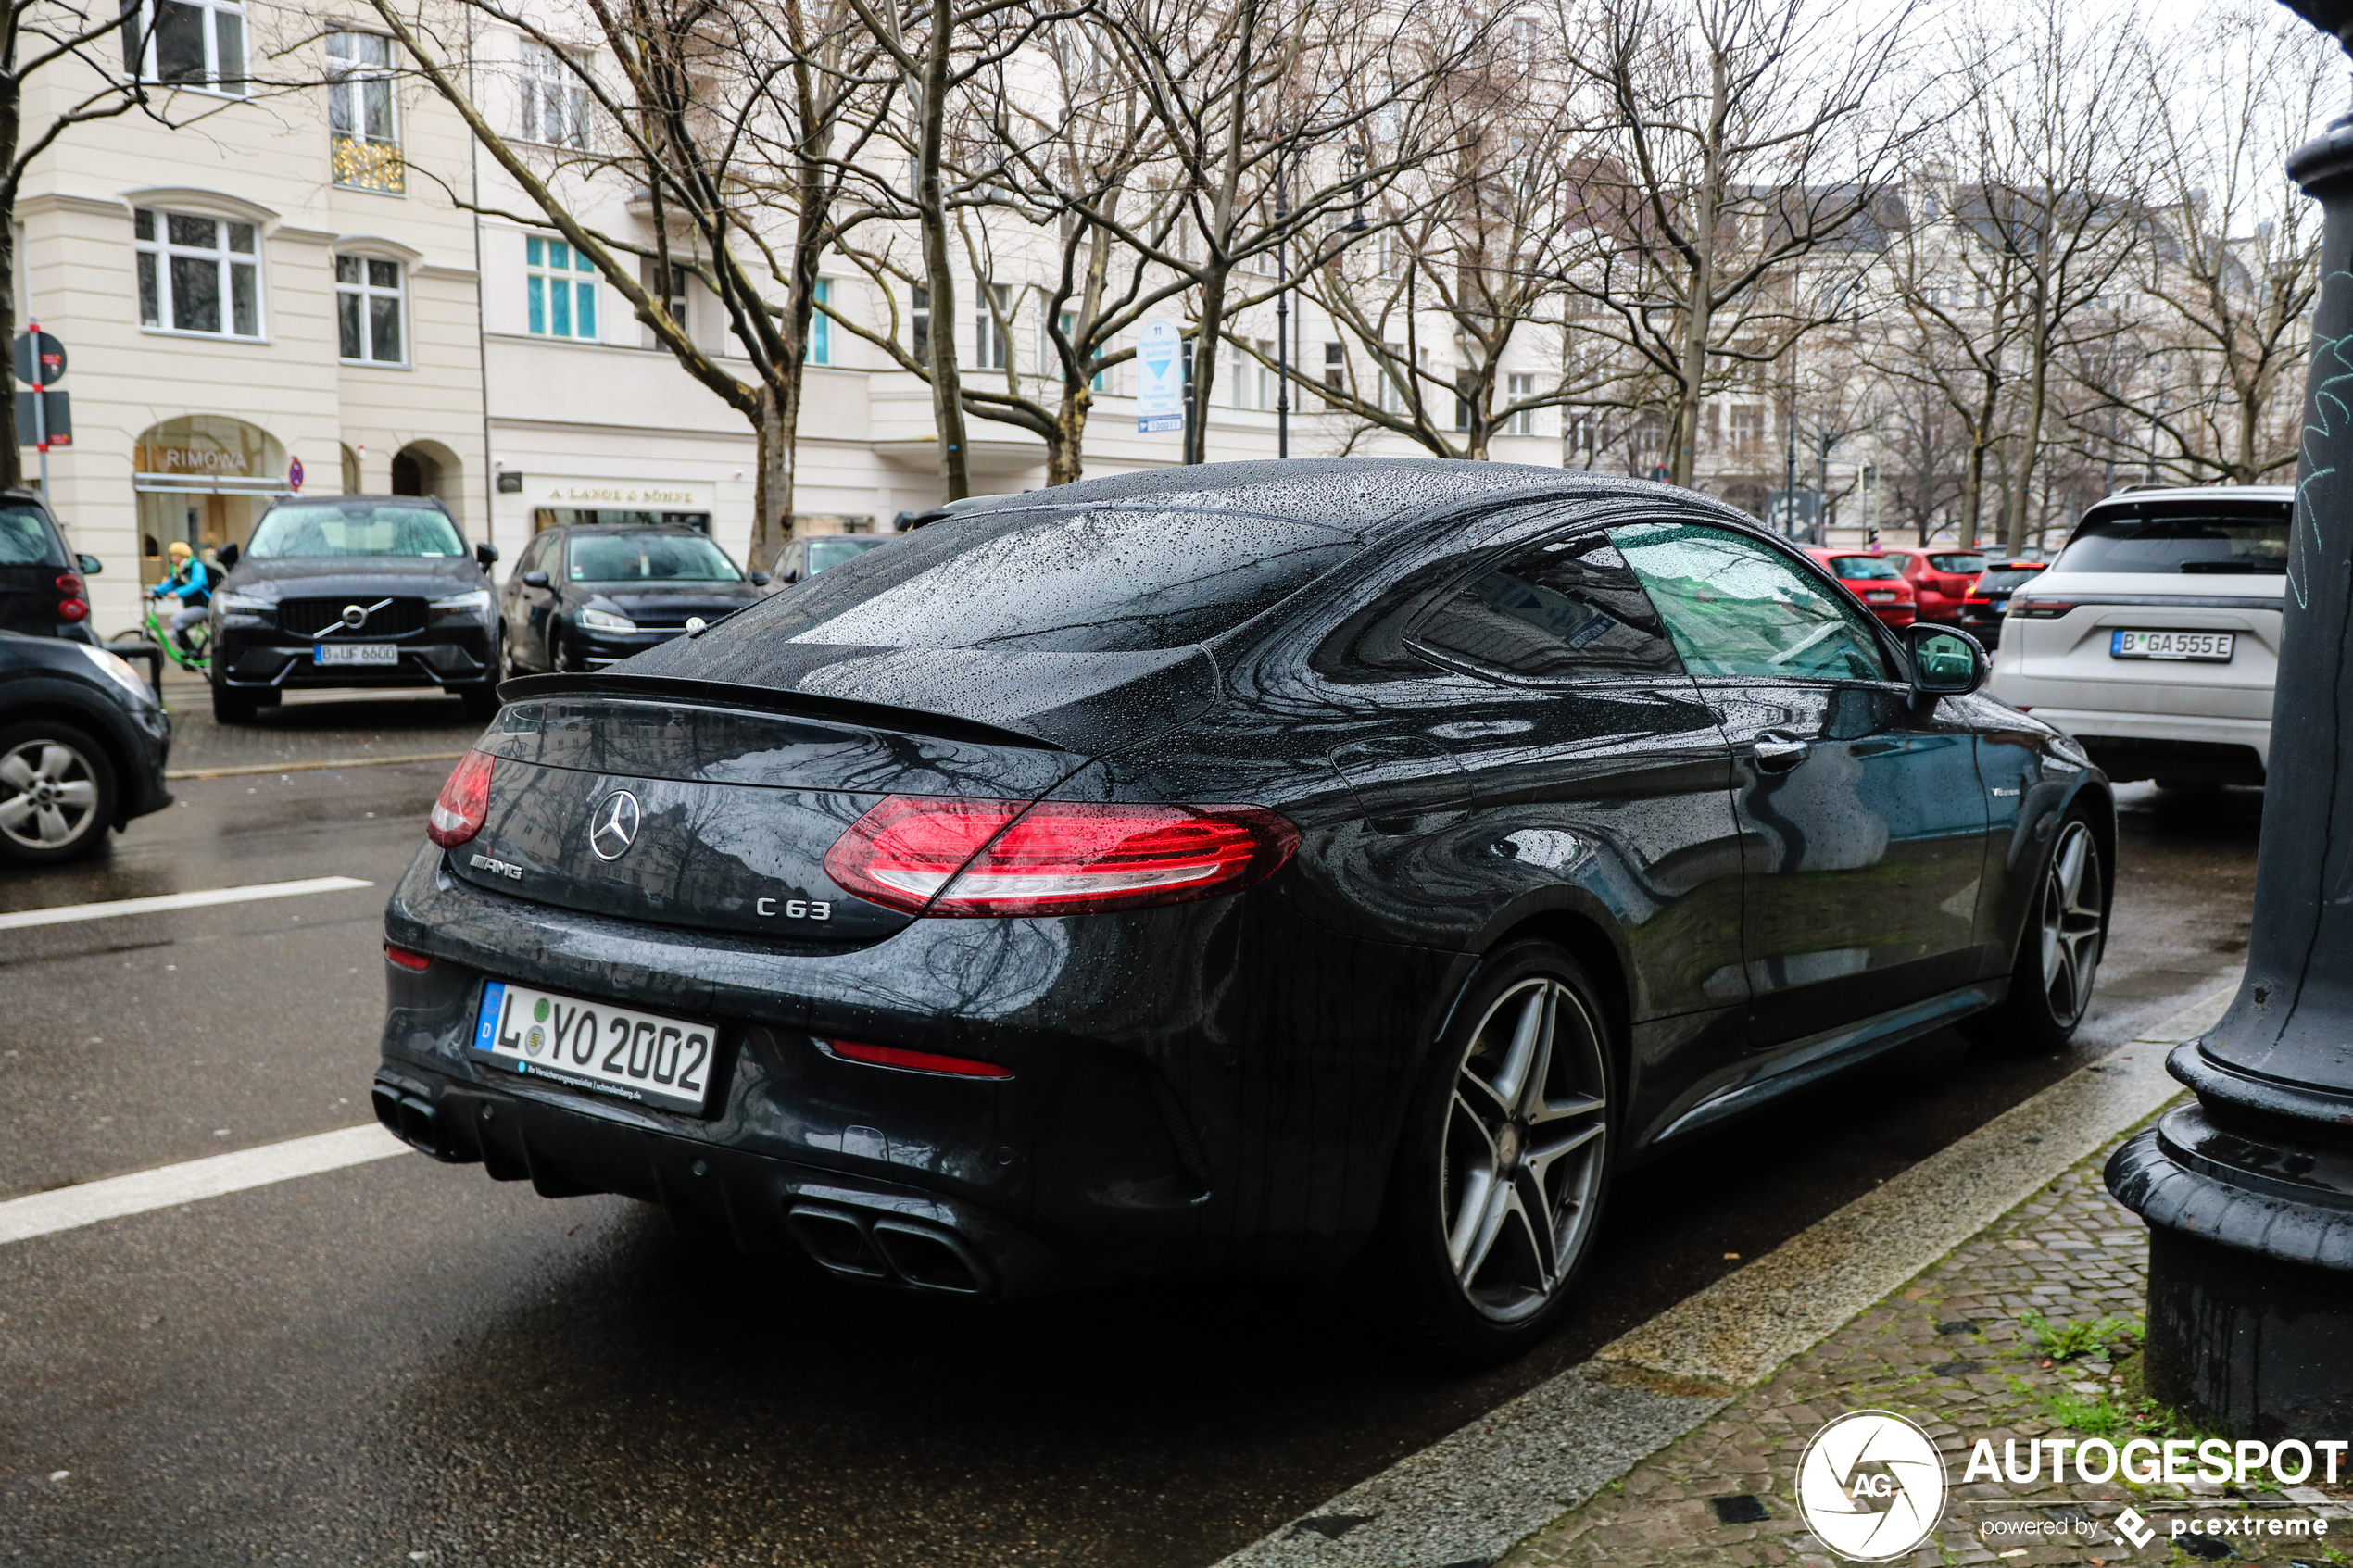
1871,1486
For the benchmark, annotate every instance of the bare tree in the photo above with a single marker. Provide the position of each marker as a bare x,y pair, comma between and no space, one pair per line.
738,127
1746,149
2225,282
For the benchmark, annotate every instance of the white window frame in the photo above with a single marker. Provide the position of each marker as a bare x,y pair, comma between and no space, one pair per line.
549,82
154,254
351,80
228,84
1516,387
992,341
367,290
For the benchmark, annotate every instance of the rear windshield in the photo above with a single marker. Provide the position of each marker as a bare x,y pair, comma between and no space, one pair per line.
2178,542
648,557
23,542
823,553
1061,580
1958,561
2007,577
1864,566
329,528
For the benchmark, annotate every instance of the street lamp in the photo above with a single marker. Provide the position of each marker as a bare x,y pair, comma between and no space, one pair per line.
2249,1193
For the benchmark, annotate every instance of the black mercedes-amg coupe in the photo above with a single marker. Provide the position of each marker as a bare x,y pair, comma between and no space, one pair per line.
1230,868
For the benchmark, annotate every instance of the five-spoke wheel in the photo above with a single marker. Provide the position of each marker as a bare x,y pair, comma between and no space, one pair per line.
57,793
2072,924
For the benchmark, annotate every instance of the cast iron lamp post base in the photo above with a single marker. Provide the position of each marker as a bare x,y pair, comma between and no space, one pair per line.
2248,1194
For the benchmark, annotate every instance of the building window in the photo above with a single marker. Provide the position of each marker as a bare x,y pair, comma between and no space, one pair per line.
1253,378
992,304
368,309
563,302
1748,429
360,124
197,274
668,286
187,44
1518,389
554,101
1335,367
919,323
1393,388
821,326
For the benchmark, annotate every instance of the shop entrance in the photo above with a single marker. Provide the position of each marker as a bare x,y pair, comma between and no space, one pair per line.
203,478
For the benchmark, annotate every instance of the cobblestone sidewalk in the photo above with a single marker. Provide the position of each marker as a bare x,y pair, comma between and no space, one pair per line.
1957,1352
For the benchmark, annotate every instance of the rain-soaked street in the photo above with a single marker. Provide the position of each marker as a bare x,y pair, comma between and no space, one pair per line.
400,1361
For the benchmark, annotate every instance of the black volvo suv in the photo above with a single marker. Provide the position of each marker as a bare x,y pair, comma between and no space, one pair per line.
354,591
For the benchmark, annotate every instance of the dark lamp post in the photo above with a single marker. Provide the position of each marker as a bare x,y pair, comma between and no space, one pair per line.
2249,1193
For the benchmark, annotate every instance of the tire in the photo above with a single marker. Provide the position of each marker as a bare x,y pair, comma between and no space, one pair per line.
229,706
1514,1118
57,793
2058,951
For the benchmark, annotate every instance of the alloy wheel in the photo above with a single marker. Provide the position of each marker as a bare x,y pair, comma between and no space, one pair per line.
48,794
2074,924
1525,1152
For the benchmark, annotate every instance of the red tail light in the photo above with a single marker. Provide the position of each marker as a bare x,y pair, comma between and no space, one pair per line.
931,856
72,606
69,584
2039,609
915,1061
407,960
73,609
465,801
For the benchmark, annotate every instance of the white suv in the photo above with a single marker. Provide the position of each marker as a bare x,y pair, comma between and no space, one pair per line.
2154,638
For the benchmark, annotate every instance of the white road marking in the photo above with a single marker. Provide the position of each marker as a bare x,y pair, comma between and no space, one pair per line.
64,1210
64,912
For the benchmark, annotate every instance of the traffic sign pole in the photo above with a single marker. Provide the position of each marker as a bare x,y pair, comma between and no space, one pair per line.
40,413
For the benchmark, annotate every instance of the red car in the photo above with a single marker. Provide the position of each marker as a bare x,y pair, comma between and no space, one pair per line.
1941,580
1875,580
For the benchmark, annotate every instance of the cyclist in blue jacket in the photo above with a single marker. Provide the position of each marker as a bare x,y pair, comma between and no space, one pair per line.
191,583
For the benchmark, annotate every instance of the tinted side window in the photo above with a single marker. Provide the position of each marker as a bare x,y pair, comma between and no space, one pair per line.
1738,607
23,541
534,553
1567,607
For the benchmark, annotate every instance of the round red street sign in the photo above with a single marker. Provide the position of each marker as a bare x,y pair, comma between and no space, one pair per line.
293,473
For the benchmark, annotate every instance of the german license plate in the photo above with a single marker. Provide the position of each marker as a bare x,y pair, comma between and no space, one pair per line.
1880,595
354,653
2209,647
597,1047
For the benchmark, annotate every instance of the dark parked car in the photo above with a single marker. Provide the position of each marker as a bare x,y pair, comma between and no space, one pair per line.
82,744
1989,599
353,591
42,592
803,558
1230,868
583,597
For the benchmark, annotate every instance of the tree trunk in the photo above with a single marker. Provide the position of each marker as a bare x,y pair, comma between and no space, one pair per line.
1205,357
772,528
947,388
11,453
1066,446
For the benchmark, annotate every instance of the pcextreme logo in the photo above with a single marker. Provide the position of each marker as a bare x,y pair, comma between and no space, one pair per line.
1871,1486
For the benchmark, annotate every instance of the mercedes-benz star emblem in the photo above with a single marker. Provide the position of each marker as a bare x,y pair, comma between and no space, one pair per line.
612,827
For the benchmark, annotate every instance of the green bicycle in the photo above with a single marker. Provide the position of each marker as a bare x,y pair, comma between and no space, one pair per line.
200,635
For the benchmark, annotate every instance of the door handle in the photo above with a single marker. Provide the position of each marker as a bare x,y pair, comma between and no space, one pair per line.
1779,754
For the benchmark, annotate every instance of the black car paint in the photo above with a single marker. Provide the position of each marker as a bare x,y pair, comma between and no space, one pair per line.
1215,1084
40,677
454,649
30,592
542,617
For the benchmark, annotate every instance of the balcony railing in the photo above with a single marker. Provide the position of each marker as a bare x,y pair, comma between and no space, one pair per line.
368,165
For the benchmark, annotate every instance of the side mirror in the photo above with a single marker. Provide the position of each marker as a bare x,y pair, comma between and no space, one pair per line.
485,554
534,579
1945,662
792,575
227,555
90,565
758,579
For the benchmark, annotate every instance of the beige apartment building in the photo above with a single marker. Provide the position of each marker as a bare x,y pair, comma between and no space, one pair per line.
272,288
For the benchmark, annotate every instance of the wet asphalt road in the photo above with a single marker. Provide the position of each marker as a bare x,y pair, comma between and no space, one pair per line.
404,1359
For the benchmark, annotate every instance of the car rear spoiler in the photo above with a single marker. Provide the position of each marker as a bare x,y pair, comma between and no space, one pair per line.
767,699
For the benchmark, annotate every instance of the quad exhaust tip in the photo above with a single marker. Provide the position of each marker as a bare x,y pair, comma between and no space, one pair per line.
888,1250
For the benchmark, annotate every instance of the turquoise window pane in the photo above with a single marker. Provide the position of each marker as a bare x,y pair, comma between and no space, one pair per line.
559,255
559,320
537,294
821,331
588,311
531,250
580,262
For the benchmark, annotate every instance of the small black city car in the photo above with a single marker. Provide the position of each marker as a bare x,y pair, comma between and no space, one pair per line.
353,591
1989,597
1231,868
42,590
82,744
586,596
